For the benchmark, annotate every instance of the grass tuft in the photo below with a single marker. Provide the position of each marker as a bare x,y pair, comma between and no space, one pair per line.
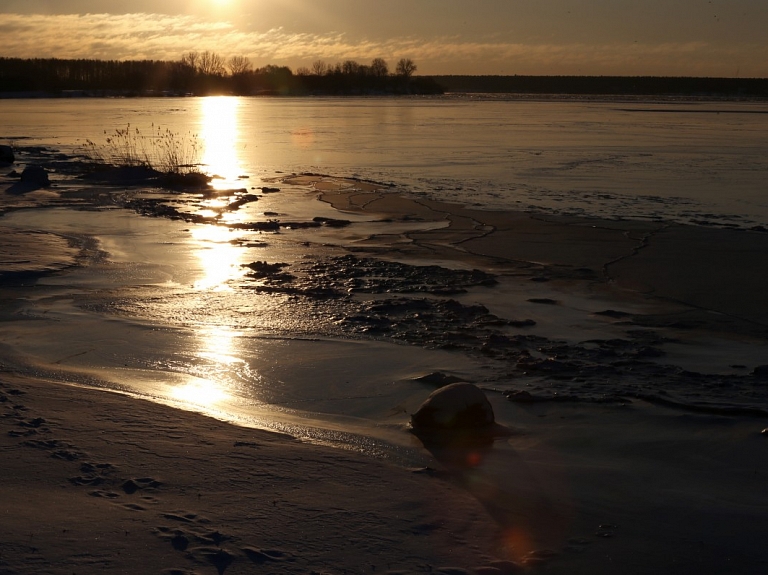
161,150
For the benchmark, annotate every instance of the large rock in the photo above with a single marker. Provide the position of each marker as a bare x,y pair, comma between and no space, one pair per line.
35,175
6,155
455,407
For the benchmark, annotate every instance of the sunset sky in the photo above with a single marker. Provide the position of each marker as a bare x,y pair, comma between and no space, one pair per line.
582,37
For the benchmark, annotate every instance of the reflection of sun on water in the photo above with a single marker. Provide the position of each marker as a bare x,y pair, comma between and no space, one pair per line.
219,259
219,134
217,345
216,358
202,392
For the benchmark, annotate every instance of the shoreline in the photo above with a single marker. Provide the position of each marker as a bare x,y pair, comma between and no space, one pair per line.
579,487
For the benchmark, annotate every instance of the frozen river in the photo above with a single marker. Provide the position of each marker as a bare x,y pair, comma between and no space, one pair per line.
689,161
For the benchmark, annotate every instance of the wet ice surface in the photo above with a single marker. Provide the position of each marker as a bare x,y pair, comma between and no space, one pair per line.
245,302
691,161
287,330
167,310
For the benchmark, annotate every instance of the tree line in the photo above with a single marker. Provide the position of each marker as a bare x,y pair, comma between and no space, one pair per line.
608,85
208,73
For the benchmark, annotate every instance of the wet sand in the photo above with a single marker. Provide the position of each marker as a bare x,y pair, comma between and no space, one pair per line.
96,482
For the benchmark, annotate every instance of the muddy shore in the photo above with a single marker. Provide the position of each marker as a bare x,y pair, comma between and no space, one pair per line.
626,357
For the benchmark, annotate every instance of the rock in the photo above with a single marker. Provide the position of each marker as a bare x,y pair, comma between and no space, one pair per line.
760,371
459,406
438,379
6,155
185,181
35,175
521,396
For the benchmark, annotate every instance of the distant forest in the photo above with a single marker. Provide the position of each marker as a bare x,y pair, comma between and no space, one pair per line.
207,73
608,85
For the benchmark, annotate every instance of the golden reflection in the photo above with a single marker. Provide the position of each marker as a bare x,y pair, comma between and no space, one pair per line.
220,133
216,361
202,392
219,258
217,345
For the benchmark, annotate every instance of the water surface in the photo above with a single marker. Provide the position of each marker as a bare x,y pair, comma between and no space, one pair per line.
702,161
162,309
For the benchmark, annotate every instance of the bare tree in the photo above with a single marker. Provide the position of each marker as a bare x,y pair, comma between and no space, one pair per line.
319,68
238,65
191,59
303,71
211,64
379,68
405,67
350,67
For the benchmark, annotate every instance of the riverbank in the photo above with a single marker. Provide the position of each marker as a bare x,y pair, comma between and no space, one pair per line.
96,483
623,358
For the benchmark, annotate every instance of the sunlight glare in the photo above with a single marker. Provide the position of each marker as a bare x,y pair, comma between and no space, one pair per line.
202,392
219,259
216,361
217,345
220,134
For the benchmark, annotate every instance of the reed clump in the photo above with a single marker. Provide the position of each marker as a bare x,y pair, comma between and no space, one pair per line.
161,150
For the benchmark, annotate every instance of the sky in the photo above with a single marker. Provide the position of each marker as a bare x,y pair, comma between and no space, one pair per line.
724,38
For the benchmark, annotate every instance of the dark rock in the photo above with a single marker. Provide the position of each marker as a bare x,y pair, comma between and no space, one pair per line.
438,379
35,175
184,181
268,226
241,201
760,371
458,406
521,396
264,268
6,155
272,272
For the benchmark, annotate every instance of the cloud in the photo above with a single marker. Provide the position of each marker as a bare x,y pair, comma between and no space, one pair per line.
166,37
